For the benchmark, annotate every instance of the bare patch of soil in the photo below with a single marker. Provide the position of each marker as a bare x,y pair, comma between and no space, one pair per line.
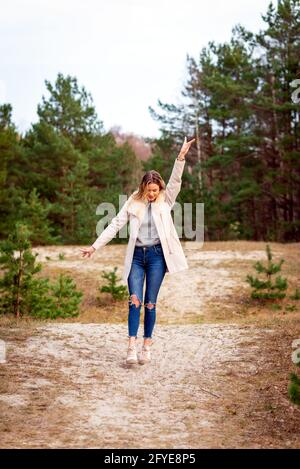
208,386
218,377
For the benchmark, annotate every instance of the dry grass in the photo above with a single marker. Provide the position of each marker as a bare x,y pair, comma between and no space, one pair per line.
212,290
220,368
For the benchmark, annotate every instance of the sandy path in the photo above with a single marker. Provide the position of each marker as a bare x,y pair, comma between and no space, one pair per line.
208,386
183,297
70,387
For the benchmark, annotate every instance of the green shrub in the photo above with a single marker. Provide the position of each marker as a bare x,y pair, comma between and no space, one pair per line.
23,294
118,292
267,288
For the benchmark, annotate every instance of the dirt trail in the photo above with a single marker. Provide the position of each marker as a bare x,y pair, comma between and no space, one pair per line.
70,387
185,296
209,385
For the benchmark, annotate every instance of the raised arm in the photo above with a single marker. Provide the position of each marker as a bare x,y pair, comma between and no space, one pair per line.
174,185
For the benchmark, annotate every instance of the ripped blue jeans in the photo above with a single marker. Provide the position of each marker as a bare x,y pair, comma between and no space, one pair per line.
148,262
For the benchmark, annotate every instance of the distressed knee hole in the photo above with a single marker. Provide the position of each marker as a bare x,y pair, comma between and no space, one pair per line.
150,305
134,300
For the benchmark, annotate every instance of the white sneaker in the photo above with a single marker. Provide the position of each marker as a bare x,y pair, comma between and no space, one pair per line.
145,355
131,356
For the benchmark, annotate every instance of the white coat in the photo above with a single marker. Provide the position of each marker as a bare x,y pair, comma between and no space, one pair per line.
134,211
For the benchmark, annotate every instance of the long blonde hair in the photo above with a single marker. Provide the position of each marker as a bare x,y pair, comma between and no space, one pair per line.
150,177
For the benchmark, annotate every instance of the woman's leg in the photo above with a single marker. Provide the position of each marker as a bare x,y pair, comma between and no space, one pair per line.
135,287
155,271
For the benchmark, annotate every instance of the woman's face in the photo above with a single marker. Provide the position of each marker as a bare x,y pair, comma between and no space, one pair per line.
152,191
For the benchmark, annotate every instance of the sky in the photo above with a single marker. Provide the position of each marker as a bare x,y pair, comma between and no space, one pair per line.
128,54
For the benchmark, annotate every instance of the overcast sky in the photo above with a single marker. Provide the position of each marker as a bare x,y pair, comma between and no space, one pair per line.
126,53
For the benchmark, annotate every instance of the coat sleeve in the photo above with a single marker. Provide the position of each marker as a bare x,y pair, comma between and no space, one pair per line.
174,185
111,230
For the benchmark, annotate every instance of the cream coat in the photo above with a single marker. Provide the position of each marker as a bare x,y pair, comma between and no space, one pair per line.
134,211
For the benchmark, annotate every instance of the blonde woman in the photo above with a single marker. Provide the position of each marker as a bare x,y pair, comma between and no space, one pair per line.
153,248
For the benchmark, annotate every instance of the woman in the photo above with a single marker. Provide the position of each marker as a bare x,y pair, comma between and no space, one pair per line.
153,248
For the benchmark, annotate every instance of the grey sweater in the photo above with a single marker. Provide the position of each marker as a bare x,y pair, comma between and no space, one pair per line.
147,235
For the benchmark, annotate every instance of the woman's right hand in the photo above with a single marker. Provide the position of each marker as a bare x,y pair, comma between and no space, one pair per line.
87,252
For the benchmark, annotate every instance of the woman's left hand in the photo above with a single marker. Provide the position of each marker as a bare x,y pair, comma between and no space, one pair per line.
185,147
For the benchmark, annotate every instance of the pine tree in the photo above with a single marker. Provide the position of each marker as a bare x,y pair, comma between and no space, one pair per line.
34,212
9,147
267,289
277,119
118,292
70,111
294,388
23,294
237,103
65,297
16,285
